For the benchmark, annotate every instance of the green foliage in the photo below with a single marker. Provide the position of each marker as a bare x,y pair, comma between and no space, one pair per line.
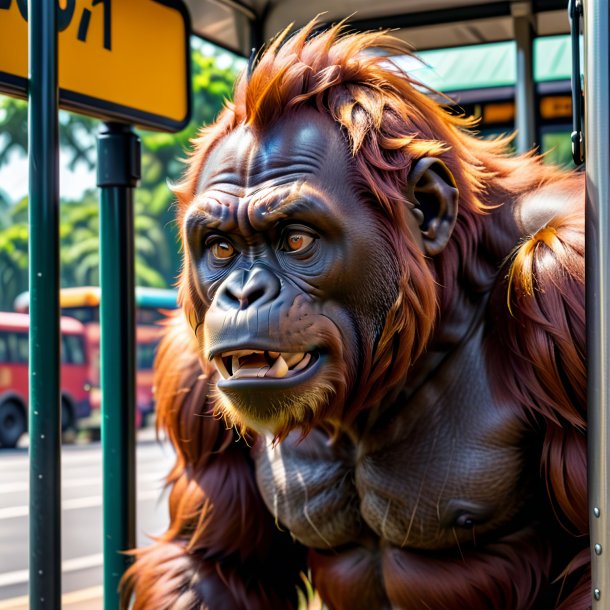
214,73
157,258
14,134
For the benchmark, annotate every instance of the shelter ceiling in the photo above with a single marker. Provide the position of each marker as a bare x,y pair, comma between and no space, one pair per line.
239,24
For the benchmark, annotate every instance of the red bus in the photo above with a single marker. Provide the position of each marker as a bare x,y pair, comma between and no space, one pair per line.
147,339
83,303
75,382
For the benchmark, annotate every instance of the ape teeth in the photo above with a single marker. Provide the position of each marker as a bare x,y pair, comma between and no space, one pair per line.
250,372
239,364
279,368
293,358
222,369
304,362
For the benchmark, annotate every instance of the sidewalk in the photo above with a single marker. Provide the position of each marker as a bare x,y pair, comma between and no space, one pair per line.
86,599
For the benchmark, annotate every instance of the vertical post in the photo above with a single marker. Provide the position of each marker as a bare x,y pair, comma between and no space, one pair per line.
597,155
118,174
525,91
44,409
257,36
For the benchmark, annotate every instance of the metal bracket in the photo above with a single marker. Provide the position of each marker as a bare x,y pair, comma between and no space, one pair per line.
118,156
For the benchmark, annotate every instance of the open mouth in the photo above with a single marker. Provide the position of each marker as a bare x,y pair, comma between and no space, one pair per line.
251,363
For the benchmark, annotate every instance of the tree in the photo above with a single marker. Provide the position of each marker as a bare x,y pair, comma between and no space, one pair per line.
13,254
214,73
157,259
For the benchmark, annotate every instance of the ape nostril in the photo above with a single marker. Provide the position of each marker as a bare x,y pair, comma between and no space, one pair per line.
243,289
252,296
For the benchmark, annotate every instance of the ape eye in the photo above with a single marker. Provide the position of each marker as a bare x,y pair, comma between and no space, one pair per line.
297,241
222,250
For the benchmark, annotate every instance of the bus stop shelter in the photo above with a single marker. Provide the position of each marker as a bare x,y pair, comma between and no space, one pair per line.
240,26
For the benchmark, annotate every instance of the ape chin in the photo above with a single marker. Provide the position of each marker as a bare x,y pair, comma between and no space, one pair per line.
377,379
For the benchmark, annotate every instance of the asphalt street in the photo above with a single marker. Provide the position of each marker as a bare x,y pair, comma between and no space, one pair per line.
81,518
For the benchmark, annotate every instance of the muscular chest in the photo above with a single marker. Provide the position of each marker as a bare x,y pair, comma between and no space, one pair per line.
435,471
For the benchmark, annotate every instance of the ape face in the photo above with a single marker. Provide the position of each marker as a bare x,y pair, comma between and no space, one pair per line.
295,270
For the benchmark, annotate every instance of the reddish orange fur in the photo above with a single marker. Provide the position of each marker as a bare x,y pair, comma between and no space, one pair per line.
218,521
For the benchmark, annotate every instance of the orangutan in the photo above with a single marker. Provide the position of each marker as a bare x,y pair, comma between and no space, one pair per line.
377,380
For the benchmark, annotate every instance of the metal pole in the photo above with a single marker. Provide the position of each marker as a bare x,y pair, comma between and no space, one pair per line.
118,174
525,91
597,143
44,409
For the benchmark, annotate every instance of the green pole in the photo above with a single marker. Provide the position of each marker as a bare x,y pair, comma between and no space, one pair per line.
44,403
118,174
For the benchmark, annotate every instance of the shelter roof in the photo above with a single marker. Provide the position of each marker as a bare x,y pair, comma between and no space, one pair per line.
238,25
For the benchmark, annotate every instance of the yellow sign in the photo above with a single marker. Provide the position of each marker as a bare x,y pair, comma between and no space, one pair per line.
118,59
556,106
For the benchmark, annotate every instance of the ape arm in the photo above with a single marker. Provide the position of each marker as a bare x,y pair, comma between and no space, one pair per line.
222,550
540,330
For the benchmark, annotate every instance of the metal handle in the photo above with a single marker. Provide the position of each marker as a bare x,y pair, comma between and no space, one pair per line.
575,9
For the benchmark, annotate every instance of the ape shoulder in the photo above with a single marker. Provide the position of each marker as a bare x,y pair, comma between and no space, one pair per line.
537,340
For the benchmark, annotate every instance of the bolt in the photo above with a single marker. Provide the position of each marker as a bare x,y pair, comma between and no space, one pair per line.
598,549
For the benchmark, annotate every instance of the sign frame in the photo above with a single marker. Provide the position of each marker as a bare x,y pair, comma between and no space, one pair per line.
17,86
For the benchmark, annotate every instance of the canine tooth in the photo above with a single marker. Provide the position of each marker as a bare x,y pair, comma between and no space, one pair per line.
274,355
301,365
220,366
293,358
279,368
235,364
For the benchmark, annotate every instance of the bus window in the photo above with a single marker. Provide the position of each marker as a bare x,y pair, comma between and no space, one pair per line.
82,314
73,350
16,346
3,348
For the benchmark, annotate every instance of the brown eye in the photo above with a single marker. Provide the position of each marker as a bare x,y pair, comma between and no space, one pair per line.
297,241
222,250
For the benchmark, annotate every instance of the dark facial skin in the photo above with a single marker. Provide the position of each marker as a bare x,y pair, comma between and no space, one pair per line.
281,247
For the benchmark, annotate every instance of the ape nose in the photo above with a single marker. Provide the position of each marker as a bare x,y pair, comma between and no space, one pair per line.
243,288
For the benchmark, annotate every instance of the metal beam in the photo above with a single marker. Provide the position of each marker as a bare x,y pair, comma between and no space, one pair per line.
525,89
488,10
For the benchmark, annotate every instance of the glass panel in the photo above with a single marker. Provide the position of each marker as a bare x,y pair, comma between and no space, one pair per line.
18,347
75,352
65,351
3,347
557,145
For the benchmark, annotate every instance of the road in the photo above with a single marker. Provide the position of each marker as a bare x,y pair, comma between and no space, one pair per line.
81,518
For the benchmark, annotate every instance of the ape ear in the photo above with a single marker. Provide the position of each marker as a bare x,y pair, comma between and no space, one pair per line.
433,192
